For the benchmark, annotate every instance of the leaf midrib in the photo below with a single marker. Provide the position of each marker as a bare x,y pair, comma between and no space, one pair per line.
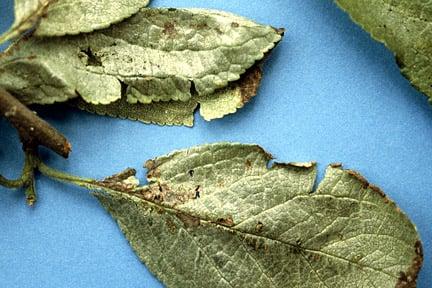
175,211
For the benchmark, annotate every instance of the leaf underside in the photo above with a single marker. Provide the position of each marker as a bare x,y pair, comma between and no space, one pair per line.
223,102
218,216
155,55
404,27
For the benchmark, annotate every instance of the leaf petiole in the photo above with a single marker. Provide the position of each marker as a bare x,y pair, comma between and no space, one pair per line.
64,177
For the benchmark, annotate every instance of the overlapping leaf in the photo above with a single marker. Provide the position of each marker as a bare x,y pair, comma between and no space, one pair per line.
217,216
405,27
214,106
27,14
83,16
61,17
156,55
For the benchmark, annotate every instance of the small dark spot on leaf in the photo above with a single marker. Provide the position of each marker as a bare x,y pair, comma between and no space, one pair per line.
191,173
259,227
297,247
197,192
172,228
235,25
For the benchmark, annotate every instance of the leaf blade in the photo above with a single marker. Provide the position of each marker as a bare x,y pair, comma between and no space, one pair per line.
211,239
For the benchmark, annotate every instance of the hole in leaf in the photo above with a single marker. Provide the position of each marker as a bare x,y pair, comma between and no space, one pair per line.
191,173
92,59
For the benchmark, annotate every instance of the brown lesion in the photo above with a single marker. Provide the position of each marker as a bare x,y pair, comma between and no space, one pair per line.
188,220
169,29
378,190
162,193
248,164
227,221
358,177
120,176
249,83
366,184
153,170
299,165
172,227
408,279
336,165
259,227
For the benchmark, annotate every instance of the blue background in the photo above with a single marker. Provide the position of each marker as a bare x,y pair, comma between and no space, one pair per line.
330,94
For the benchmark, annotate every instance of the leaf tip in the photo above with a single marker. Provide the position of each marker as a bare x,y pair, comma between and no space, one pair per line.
280,31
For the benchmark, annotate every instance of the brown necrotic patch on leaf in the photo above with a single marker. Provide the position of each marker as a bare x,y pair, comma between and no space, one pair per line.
162,193
358,177
249,83
228,221
169,29
409,279
188,221
301,165
129,172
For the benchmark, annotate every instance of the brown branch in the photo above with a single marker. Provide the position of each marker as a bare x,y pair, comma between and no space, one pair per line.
33,130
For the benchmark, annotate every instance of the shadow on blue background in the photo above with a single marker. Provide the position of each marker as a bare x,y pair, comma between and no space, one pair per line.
330,94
